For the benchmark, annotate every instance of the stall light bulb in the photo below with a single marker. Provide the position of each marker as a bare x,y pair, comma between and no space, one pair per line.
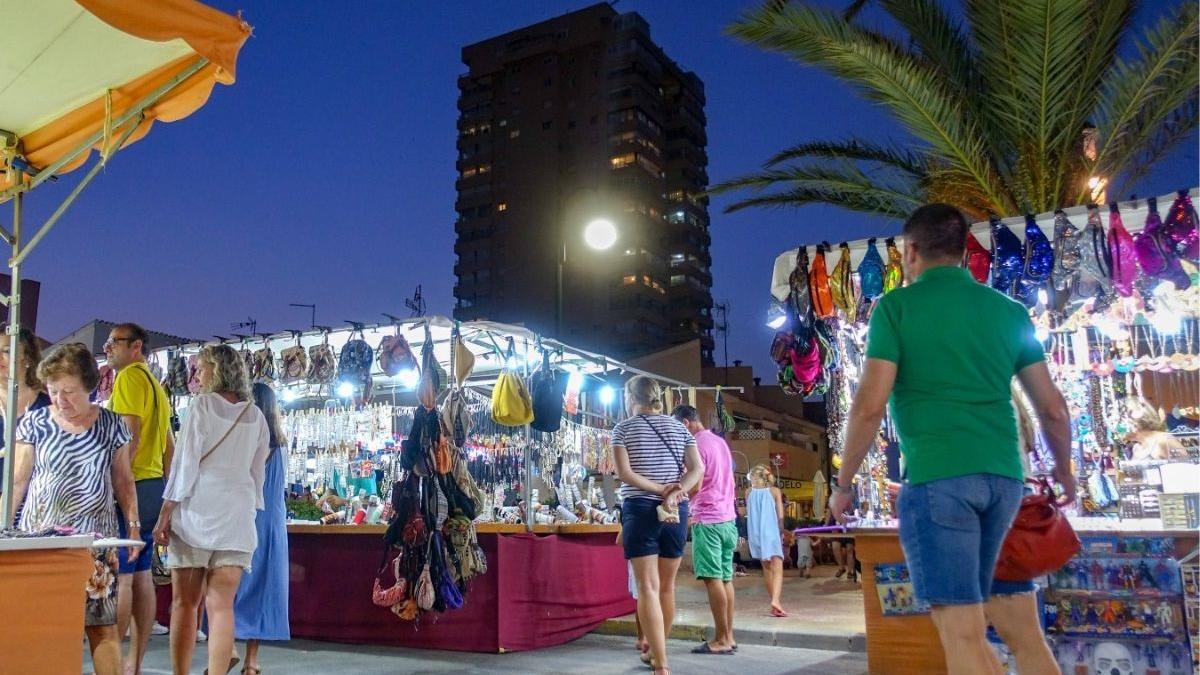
289,395
575,381
1164,288
408,378
777,322
345,390
607,395
1166,321
1043,298
1042,333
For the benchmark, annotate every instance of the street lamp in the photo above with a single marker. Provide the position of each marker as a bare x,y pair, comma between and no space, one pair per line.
600,234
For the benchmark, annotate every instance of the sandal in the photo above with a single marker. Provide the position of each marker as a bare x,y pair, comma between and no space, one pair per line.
705,648
233,661
251,670
779,613
646,658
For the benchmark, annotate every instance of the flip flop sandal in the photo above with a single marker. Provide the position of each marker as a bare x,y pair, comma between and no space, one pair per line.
647,659
779,613
233,661
705,648
251,670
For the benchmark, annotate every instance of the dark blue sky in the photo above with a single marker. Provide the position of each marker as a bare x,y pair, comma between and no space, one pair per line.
326,174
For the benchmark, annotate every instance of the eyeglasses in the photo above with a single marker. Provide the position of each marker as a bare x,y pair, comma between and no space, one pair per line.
112,341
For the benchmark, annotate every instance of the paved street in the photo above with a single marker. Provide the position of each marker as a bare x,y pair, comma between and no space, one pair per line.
590,655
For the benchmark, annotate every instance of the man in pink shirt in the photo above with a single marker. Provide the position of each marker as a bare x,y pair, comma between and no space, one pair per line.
714,533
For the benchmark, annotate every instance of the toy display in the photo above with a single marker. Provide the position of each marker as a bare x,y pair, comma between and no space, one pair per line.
895,589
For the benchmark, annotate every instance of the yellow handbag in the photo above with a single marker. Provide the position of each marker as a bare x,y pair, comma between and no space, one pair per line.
511,403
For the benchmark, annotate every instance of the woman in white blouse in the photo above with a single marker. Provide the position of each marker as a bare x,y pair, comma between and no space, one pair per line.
207,517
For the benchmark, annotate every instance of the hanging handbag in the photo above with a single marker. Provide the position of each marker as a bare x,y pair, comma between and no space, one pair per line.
511,403
322,364
394,594
263,369
818,282
1041,539
295,363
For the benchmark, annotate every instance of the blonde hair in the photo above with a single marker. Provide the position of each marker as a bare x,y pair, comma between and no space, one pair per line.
761,474
645,392
229,371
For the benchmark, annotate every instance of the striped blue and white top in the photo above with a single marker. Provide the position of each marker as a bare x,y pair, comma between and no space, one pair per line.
71,485
643,438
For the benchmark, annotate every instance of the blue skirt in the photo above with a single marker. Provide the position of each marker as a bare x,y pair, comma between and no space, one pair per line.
261,607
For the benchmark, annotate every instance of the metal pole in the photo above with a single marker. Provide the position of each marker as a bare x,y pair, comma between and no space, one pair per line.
7,507
562,262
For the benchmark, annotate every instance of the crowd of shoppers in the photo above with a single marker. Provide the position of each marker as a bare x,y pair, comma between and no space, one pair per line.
217,494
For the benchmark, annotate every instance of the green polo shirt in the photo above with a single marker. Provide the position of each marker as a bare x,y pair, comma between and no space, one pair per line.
956,344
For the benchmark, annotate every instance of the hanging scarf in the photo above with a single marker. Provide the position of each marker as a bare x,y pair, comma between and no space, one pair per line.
818,283
979,259
1068,258
842,284
893,274
1008,257
870,272
1155,253
1122,253
1180,228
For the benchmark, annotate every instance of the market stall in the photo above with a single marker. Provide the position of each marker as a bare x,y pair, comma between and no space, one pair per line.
520,507
58,103
1115,296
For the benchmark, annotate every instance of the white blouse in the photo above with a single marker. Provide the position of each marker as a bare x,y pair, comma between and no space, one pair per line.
217,501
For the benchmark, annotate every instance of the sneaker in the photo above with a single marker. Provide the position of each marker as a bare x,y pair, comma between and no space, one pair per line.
201,637
159,629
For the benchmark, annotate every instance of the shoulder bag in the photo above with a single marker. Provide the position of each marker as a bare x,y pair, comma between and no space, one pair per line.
1041,539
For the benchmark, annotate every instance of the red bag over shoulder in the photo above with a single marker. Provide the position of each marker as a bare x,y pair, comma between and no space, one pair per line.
1041,540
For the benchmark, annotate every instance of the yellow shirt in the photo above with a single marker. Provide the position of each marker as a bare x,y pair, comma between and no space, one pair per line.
137,393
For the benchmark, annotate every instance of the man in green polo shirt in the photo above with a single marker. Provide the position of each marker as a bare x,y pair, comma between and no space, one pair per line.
945,349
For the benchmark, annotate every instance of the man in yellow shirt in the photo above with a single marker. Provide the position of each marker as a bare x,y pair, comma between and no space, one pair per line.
143,404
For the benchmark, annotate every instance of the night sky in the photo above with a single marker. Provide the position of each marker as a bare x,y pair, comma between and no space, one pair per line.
326,173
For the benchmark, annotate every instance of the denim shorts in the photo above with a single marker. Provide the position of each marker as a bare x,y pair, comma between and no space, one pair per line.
952,530
149,495
642,534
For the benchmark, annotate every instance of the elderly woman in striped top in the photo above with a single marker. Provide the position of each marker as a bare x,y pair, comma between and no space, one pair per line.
659,465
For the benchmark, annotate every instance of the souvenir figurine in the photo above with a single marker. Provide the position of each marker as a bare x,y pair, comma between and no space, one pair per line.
1092,616
1112,658
1128,578
1146,576
1099,582
1152,660
1114,575
1165,615
1148,614
1165,576
1179,229
1108,615
1121,253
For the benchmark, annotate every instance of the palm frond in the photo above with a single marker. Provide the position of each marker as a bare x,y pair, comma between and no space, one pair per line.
937,38
857,150
1179,125
841,184
885,73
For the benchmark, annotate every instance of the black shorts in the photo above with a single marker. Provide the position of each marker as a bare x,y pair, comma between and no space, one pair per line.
643,534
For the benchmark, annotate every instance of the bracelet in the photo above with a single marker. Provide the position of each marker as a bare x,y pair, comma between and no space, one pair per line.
134,524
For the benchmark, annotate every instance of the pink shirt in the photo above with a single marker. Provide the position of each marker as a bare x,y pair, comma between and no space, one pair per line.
714,503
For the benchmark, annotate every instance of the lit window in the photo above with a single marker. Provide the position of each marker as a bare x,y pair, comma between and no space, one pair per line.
514,133
502,206
503,123
469,171
622,161
484,168
677,280
646,280
676,196
629,280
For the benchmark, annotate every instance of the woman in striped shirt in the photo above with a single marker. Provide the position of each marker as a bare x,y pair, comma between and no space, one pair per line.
659,465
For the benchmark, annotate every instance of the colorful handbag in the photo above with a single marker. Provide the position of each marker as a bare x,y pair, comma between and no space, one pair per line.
1008,257
1068,257
193,365
818,282
1095,262
1040,541
294,363
979,259
322,364
870,272
393,594
841,283
1179,229
893,274
263,369
396,355
1122,253
1039,263
1155,252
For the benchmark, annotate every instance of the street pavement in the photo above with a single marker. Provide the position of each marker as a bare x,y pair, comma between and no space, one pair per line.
589,655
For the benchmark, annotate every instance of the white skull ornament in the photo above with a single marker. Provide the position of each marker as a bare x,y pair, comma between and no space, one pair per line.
1111,658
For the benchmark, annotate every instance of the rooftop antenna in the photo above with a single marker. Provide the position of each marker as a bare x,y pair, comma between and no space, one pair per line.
313,307
416,303
392,317
248,323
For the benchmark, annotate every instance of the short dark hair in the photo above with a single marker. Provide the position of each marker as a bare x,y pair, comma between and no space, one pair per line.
71,359
136,334
938,230
686,413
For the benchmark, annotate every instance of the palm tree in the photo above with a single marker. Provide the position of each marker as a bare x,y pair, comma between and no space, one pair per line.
1013,112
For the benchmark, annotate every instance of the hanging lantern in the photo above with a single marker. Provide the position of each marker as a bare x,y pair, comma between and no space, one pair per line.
1122,253
1008,257
842,284
1068,254
893,274
818,283
979,259
1180,228
870,272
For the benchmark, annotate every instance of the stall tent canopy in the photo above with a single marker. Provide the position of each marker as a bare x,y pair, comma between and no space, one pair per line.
488,342
1133,215
83,75
71,69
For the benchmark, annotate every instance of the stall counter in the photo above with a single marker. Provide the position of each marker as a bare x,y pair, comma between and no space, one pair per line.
42,585
909,645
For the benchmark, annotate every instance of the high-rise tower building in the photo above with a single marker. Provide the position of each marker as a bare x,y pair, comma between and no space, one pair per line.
563,123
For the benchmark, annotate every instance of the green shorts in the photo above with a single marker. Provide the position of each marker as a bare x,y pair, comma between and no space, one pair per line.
712,550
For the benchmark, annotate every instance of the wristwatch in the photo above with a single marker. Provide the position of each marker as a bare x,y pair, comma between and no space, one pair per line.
134,524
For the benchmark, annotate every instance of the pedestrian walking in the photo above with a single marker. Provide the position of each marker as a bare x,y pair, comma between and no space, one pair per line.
260,609
144,405
208,512
764,513
714,532
659,465
952,408
71,462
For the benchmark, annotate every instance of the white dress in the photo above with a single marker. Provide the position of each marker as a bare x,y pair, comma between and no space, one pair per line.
217,501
